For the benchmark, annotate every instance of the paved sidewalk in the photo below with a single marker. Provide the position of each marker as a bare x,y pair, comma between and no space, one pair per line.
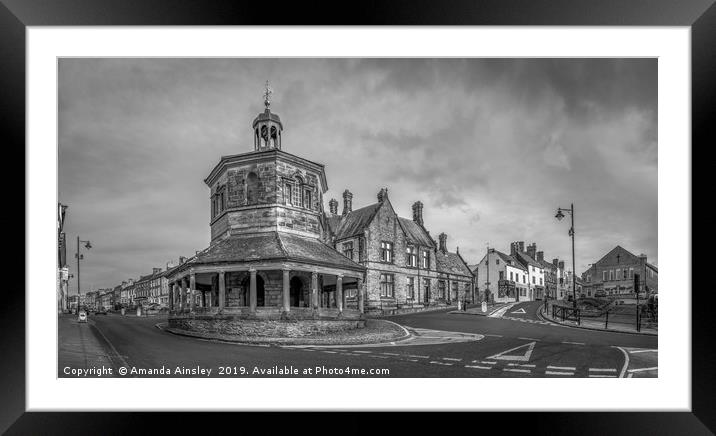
590,324
80,346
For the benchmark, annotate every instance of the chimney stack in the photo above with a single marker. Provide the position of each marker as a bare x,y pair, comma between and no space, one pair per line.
540,256
347,202
383,195
513,248
156,270
521,246
555,262
418,212
170,265
182,259
532,250
443,242
561,265
333,206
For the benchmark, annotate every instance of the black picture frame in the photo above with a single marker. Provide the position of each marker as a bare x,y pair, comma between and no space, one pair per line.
16,15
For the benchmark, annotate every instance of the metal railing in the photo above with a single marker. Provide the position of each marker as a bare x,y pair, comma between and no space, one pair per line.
566,313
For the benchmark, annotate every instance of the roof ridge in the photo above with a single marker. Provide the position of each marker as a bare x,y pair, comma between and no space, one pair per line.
281,244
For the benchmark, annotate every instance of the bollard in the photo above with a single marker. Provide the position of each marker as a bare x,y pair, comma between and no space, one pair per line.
606,322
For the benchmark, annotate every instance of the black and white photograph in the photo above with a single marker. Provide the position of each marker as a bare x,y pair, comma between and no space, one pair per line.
360,217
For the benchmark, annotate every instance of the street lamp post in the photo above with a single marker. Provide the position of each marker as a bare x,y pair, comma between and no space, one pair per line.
559,216
79,257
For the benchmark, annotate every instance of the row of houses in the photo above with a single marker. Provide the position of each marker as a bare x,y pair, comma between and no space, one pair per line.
525,275
521,275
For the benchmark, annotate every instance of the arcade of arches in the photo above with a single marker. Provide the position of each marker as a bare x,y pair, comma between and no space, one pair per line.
257,289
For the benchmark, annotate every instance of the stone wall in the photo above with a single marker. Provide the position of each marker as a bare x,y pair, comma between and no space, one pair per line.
268,323
269,210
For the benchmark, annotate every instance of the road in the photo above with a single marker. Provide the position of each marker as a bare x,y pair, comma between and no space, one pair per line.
518,344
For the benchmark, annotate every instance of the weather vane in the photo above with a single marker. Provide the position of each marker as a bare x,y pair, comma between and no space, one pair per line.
267,95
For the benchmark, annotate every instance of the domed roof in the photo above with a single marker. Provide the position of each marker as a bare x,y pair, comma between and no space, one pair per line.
267,115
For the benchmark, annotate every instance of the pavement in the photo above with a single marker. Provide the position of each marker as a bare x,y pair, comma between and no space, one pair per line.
618,323
81,346
516,344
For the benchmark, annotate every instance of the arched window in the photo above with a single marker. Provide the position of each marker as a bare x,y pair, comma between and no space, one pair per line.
274,136
252,189
264,136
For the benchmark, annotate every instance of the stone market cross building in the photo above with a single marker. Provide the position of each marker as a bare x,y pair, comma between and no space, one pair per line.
275,255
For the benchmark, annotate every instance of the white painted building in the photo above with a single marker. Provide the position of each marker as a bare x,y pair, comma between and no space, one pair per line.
502,275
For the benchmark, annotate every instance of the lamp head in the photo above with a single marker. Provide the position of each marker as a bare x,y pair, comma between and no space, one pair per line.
88,245
559,215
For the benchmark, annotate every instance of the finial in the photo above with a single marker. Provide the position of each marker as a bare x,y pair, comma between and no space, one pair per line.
267,95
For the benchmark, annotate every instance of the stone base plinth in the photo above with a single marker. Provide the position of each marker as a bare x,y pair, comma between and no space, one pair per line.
267,322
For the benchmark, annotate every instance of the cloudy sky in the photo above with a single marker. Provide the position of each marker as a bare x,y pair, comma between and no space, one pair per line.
491,147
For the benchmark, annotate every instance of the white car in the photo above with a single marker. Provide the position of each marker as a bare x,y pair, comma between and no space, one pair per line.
82,316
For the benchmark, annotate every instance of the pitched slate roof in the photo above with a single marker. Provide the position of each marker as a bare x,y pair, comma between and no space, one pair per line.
272,246
510,260
451,263
525,259
415,233
355,222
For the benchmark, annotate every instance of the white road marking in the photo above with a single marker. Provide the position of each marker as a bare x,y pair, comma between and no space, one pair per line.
529,339
520,364
358,351
494,336
518,370
440,363
524,358
332,352
478,367
380,357
573,343
626,362
391,354
520,310
653,368
643,351
558,373
420,357
452,358
631,375
563,368
603,369
602,375
486,362
412,360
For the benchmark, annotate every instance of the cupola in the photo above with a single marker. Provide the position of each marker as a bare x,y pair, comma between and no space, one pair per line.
267,126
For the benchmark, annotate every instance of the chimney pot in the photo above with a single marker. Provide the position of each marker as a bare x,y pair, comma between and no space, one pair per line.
418,212
347,202
532,250
561,264
555,262
540,256
443,242
333,206
521,245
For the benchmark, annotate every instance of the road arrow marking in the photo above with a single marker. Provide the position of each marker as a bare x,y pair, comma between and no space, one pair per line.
521,358
520,310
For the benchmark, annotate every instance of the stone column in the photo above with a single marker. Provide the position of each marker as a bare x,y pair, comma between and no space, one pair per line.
314,290
252,290
222,290
286,291
171,296
360,295
192,285
339,293
183,293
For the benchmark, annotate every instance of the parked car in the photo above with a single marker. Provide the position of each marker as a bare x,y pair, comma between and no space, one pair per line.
600,293
82,316
101,311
